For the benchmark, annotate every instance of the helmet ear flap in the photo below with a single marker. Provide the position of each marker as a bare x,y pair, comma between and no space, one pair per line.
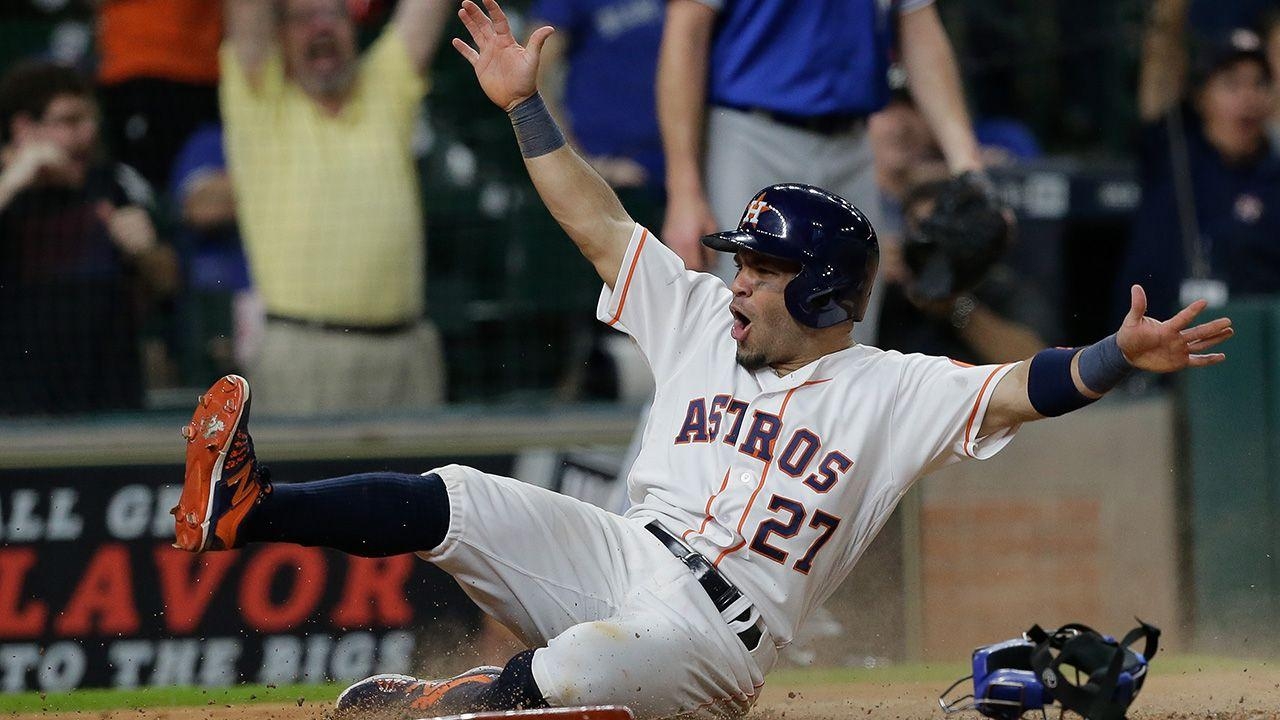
818,305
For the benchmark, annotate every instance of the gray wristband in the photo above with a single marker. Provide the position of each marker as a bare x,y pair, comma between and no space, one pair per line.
1102,366
536,131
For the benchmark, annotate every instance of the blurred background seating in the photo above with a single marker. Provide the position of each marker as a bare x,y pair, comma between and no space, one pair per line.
1048,88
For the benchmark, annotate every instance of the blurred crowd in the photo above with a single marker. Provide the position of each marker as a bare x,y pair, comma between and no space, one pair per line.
242,182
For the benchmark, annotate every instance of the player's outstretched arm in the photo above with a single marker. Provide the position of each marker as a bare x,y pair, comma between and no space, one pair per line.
579,199
1059,380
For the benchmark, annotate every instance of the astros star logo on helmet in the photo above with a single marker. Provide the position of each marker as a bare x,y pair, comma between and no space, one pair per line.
754,210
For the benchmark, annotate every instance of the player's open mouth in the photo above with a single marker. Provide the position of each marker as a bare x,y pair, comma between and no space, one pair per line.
741,325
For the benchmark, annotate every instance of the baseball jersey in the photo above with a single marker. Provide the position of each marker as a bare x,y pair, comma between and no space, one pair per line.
781,482
809,58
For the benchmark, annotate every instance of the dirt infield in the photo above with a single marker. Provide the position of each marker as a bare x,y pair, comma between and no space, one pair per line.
1251,692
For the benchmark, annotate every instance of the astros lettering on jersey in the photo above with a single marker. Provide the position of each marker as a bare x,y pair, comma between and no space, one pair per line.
781,482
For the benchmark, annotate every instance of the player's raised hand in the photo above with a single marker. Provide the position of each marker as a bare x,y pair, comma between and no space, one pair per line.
1172,345
507,72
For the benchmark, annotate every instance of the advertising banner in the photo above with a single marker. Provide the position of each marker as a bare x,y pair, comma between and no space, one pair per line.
93,595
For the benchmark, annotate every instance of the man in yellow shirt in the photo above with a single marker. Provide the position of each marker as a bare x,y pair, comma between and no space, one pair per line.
318,147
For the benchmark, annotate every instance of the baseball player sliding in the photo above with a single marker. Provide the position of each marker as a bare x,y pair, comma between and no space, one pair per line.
775,451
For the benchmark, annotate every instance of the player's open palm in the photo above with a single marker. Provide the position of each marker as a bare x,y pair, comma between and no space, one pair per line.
1171,345
507,72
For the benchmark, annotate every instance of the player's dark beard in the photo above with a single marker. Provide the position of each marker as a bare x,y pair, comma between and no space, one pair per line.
752,361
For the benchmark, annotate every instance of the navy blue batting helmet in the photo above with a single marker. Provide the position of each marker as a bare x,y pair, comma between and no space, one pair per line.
832,241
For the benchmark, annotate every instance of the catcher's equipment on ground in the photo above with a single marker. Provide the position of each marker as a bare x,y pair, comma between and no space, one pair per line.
967,231
1084,671
832,241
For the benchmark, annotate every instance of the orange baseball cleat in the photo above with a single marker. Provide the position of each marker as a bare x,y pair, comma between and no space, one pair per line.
397,697
223,477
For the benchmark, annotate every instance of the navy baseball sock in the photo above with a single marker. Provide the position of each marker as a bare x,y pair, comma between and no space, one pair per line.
370,515
515,688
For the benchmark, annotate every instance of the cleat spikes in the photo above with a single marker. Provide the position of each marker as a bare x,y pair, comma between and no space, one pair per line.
222,479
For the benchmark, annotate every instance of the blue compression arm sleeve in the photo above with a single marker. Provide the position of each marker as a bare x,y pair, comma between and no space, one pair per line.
1050,388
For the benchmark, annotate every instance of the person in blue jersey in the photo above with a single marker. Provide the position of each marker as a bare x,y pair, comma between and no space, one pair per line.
754,92
599,71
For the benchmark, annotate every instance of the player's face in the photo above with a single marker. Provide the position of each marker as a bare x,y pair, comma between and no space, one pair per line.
318,39
1234,104
766,334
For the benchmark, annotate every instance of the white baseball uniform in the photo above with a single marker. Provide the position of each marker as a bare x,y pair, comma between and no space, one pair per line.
781,482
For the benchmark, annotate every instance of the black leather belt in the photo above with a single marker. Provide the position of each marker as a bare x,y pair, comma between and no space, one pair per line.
387,329
829,124
719,589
